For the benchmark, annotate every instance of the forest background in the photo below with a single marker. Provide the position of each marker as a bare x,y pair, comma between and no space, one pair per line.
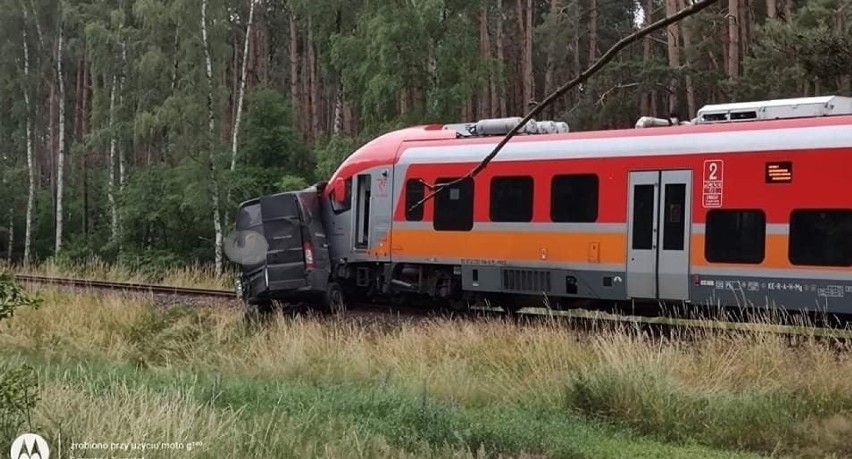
130,130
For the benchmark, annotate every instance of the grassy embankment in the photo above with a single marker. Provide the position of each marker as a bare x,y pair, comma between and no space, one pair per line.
114,369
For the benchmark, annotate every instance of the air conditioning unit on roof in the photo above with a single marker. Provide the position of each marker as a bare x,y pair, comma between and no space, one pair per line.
804,107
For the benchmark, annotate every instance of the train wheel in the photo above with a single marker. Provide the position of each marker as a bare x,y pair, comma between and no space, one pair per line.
333,300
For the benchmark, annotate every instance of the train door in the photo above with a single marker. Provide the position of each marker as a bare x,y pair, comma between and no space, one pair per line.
362,211
659,204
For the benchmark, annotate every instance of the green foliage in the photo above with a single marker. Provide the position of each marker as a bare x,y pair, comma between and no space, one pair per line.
292,183
270,143
331,153
18,397
13,297
18,386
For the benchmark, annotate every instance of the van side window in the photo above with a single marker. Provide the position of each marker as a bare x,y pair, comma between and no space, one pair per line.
735,236
821,237
338,207
454,206
415,191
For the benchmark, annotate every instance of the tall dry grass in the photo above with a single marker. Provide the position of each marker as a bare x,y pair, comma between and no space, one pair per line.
193,275
743,391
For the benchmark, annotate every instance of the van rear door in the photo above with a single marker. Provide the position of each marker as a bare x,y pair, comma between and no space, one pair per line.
282,228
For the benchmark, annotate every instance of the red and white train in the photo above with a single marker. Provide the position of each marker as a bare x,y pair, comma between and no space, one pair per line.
748,202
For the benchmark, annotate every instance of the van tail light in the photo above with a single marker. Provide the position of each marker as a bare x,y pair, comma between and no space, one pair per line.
309,256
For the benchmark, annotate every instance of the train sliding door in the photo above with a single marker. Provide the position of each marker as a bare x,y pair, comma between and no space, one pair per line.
658,234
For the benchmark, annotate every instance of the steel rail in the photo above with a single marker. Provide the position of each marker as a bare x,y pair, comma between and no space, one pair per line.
125,286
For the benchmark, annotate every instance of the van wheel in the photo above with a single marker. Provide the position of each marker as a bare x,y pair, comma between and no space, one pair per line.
259,310
333,301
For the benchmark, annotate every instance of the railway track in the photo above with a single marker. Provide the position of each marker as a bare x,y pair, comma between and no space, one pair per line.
586,320
125,286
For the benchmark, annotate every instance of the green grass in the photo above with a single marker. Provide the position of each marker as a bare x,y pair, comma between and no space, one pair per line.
262,417
116,369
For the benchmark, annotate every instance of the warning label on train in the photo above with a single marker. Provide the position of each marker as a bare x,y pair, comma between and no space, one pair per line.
712,194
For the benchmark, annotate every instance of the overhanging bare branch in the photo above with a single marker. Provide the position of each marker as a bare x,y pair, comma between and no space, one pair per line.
594,68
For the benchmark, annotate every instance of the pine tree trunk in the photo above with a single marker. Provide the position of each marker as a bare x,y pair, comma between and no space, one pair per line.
501,60
593,30
484,52
294,66
550,64
744,21
647,9
111,176
211,127
673,58
305,94
316,108
28,229
771,9
529,80
686,35
733,39
60,153
243,70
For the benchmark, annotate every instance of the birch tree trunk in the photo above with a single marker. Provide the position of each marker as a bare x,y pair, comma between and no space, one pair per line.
242,93
28,229
11,240
337,123
122,164
60,154
211,127
111,181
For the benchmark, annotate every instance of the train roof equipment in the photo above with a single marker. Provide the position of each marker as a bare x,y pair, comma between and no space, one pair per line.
763,110
502,126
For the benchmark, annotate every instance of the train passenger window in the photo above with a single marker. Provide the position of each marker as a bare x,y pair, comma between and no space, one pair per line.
512,199
821,237
454,206
574,198
415,191
735,236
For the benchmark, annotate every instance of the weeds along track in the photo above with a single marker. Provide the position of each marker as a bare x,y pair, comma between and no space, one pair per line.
672,325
